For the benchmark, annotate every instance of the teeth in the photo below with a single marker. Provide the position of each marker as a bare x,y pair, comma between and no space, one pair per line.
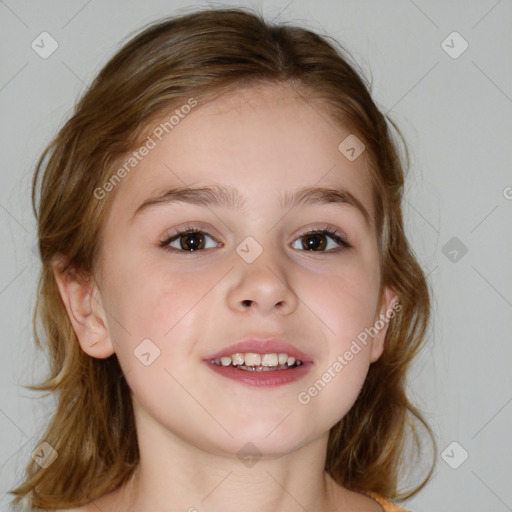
282,358
252,359
238,358
269,360
258,362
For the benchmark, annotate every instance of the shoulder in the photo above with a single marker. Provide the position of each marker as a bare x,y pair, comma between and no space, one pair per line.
359,501
386,505
352,499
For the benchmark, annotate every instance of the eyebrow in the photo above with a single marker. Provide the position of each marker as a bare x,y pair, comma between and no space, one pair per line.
227,196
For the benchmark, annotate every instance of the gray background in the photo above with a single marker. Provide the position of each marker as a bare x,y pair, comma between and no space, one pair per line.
456,114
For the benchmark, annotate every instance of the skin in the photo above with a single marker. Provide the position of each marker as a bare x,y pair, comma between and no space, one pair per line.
190,421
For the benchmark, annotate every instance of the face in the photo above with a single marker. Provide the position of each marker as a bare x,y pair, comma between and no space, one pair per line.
249,272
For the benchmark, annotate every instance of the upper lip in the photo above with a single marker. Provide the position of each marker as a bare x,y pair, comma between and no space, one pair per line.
262,346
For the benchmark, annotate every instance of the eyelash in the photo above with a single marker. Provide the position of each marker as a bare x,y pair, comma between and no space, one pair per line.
332,233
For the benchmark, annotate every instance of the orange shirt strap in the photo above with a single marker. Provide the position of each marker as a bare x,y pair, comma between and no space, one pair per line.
387,505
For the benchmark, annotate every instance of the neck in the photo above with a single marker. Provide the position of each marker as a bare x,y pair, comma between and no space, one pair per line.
270,488
176,475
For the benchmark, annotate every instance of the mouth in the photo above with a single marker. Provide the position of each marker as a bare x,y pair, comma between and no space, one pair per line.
253,362
261,363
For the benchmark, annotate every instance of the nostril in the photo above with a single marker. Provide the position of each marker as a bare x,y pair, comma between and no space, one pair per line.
247,303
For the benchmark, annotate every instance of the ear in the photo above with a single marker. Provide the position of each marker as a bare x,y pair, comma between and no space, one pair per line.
389,307
82,300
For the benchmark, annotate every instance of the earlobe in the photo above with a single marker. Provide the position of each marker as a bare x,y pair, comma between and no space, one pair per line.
85,311
381,324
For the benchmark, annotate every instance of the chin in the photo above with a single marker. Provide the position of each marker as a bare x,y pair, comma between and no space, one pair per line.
270,437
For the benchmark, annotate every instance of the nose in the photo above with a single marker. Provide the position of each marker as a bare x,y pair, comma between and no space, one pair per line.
263,287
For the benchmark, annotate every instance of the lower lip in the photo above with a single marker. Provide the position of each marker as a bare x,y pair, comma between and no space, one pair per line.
269,378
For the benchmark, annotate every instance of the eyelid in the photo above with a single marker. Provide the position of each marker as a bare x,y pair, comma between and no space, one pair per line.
331,230
324,229
193,227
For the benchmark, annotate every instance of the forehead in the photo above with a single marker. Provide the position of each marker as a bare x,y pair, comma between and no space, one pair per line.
265,141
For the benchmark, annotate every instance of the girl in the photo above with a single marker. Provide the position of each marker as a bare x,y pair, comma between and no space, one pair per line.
229,300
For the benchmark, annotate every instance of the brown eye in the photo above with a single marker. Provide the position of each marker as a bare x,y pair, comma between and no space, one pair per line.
314,242
192,241
188,241
318,241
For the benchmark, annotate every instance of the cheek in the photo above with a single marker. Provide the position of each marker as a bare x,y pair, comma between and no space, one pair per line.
346,302
159,305
160,312
146,298
345,305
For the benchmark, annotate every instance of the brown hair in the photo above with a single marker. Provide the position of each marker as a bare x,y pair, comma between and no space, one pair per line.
204,54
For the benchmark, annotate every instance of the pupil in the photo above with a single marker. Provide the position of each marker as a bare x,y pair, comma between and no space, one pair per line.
189,241
311,244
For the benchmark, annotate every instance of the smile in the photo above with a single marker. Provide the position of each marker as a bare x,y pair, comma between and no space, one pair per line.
258,362
260,370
